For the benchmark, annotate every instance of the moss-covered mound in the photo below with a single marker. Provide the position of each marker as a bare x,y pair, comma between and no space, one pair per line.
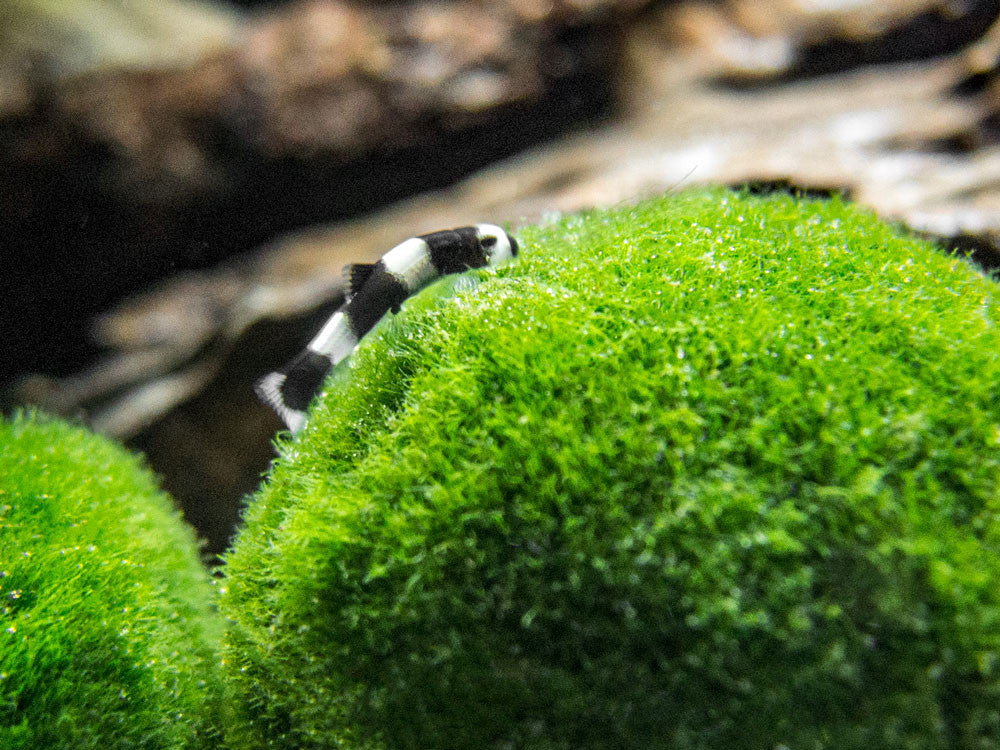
714,471
107,636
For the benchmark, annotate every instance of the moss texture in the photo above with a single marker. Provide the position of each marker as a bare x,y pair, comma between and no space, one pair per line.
712,471
108,638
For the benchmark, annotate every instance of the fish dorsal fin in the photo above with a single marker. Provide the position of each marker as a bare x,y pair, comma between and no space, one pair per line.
357,274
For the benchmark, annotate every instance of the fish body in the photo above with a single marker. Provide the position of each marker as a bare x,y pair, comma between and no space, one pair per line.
374,290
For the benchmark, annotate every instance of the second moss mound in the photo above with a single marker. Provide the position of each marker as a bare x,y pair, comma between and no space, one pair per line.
711,471
108,636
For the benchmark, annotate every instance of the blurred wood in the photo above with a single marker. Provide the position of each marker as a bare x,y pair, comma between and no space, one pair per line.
905,139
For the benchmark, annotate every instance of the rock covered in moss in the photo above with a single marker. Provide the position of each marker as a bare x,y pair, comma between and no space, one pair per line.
108,637
711,471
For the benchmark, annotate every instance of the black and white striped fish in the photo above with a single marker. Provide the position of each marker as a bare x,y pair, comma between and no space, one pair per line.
375,289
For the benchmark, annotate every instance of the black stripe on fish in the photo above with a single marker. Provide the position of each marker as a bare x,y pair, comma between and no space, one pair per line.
303,377
382,292
456,250
357,274
374,290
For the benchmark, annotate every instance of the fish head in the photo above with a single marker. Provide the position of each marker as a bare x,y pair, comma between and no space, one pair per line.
497,245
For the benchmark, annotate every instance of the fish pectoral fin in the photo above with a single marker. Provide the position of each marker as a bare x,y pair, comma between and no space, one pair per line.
357,274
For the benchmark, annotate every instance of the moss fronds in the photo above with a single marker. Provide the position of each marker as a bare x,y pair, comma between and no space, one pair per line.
108,634
711,471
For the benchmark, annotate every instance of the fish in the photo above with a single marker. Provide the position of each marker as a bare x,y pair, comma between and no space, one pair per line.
375,289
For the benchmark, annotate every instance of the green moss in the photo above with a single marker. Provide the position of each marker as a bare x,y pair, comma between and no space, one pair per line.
712,471
107,635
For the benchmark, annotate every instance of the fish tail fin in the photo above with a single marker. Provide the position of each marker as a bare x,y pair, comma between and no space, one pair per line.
269,389
290,390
